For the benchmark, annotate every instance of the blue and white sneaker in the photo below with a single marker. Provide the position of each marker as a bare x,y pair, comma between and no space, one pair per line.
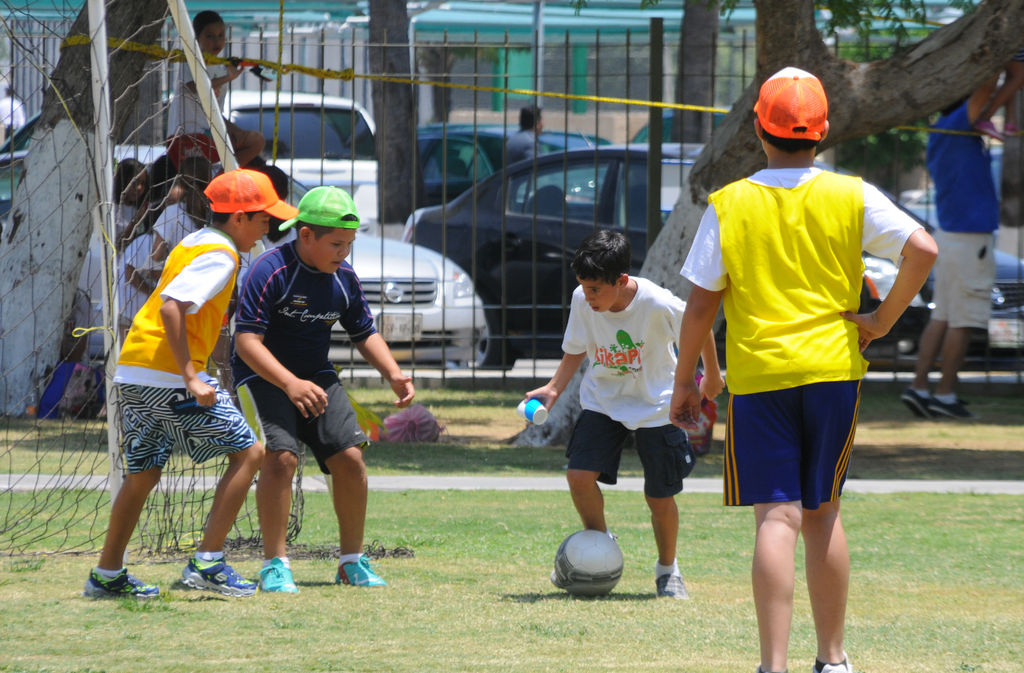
358,574
277,577
216,576
122,586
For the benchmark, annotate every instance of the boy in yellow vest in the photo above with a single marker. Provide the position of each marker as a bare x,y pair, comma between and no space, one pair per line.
782,249
165,398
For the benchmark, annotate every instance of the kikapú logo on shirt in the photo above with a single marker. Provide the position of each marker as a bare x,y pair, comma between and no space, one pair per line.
624,357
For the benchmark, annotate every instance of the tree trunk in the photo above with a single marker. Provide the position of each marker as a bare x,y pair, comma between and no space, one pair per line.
695,83
864,98
43,244
394,111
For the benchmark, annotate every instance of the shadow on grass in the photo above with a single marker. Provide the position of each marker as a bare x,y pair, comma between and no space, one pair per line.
537,597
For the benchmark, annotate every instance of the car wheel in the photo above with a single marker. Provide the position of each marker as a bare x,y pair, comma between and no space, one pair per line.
489,348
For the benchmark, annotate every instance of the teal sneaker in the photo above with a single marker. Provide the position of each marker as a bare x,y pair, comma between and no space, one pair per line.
122,586
216,576
276,576
358,574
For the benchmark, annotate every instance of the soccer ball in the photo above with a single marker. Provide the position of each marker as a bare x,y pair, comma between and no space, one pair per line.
587,563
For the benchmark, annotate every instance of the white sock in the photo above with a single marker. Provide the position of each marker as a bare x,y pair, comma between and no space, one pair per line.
108,574
949,398
209,556
284,559
923,392
660,570
349,558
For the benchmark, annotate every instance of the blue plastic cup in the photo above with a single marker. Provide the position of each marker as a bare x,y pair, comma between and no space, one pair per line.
533,411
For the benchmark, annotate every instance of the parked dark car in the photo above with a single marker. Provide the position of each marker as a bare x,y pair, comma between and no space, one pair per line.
528,225
451,150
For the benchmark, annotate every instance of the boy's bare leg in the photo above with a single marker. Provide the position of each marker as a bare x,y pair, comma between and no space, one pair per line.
665,521
274,500
778,526
587,497
124,516
828,577
229,496
348,477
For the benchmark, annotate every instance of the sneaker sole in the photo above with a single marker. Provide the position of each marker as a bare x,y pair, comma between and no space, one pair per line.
199,582
939,411
916,407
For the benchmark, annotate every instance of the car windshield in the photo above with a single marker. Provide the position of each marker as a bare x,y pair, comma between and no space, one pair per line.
311,133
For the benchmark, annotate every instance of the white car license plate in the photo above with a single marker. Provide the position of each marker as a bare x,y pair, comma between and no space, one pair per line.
1005,333
400,326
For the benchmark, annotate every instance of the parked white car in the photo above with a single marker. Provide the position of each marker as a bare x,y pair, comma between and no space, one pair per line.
423,303
321,140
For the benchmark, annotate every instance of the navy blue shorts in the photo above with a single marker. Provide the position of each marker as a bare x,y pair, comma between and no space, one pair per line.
792,444
665,453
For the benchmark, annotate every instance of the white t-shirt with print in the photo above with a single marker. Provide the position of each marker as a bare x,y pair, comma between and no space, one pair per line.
632,354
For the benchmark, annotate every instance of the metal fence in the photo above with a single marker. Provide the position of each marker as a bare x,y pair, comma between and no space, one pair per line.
500,292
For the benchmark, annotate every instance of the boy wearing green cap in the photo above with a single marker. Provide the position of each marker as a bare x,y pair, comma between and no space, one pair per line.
291,298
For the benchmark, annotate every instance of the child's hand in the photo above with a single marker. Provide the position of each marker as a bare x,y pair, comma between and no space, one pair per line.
309,398
711,386
685,409
205,394
869,327
402,386
545,394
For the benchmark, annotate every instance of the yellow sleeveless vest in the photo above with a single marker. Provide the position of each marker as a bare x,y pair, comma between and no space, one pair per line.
146,344
794,262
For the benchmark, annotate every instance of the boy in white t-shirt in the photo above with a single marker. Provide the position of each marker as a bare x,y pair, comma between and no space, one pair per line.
628,327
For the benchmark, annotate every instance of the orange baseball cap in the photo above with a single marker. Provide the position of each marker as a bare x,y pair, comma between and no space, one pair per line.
249,191
792,104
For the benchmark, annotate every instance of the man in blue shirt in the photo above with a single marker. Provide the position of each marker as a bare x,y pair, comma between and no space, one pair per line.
968,210
291,298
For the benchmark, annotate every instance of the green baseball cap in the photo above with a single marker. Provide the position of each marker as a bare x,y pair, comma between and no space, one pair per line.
327,207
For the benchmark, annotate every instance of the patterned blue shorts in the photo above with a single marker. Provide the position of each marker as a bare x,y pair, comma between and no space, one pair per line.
152,427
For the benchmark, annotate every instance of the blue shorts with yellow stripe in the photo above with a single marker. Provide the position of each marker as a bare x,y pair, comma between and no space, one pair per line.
792,444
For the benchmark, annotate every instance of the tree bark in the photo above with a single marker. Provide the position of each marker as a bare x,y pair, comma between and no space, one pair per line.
695,79
864,98
394,109
43,244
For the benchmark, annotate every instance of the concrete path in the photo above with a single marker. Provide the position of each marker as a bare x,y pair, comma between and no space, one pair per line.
316,484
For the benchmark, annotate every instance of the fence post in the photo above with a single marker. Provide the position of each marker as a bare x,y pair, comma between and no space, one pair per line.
655,118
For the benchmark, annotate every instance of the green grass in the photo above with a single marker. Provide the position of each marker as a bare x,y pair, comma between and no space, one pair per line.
936,578
891,444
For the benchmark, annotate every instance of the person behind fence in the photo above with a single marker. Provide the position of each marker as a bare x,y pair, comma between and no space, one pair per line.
523,143
186,119
628,328
12,113
783,249
292,296
167,401
1003,97
968,211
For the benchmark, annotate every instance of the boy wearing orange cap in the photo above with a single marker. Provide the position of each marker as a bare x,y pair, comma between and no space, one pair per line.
165,398
782,250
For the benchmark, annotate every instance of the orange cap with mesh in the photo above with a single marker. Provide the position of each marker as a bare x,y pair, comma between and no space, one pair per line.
792,104
249,191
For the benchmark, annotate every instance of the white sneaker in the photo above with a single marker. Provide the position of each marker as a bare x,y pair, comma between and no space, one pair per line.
835,668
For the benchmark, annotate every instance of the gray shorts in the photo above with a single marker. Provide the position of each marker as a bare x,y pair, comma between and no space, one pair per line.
327,434
964,274
665,453
152,427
